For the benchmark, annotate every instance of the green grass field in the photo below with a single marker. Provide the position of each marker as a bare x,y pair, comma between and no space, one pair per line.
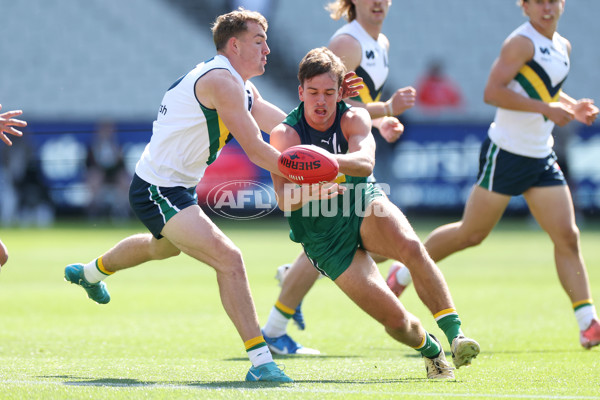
165,335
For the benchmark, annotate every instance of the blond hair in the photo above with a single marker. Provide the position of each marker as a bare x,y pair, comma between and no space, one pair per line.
342,8
234,23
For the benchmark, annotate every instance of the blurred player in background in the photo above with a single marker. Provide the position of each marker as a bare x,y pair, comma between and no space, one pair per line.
337,233
364,49
517,157
7,125
106,175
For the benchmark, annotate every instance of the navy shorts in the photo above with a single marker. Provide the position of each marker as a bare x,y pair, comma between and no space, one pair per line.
155,205
511,174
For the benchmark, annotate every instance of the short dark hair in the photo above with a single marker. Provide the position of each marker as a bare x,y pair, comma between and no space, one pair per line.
321,61
233,23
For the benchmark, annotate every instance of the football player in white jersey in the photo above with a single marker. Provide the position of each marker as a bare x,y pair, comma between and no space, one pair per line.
517,157
197,117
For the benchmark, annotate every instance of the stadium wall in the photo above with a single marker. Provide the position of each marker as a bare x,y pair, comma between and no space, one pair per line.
430,170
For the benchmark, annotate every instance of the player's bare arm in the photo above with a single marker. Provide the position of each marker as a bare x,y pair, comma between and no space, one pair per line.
585,110
389,126
350,52
403,98
266,114
360,159
515,52
218,89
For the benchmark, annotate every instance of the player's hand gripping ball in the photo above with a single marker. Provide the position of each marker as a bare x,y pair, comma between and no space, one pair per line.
308,164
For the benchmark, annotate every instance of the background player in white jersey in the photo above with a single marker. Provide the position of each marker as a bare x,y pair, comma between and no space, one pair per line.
517,158
198,115
7,125
364,49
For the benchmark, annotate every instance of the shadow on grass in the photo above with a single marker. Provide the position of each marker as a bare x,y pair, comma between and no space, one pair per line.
70,380
499,352
416,354
296,356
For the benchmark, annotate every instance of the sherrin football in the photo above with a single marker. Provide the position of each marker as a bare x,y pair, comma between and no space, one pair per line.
308,164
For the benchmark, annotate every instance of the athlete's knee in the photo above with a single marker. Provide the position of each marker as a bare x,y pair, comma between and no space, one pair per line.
475,239
568,238
234,257
166,253
573,238
162,249
412,252
377,258
470,238
230,261
400,325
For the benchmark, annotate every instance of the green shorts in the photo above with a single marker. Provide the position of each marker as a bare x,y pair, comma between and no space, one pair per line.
330,241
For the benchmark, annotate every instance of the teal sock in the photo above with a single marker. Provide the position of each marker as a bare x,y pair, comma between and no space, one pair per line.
430,347
450,325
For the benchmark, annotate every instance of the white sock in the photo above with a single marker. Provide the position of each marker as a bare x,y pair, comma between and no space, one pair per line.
276,324
260,356
91,272
585,315
403,276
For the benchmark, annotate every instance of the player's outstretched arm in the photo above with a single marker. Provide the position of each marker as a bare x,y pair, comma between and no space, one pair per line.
360,159
218,89
266,114
7,124
402,99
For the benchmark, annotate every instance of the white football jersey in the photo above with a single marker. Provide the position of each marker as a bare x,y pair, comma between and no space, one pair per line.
373,68
186,136
526,133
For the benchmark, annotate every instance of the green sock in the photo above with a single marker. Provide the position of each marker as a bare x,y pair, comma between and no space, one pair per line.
430,348
449,323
